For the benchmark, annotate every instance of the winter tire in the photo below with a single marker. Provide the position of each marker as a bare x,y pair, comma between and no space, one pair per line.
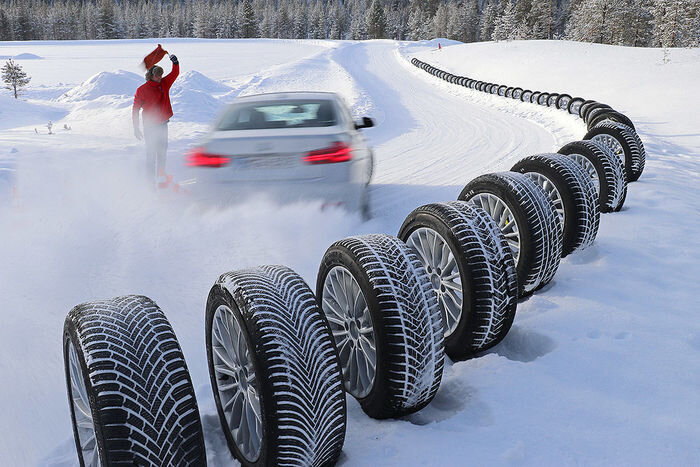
528,220
130,394
477,85
552,100
472,272
535,95
274,369
571,190
604,168
624,142
526,95
574,105
584,106
386,322
542,98
562,102
592,114
502,90
608,114
517,93
592,108
494,89
509,92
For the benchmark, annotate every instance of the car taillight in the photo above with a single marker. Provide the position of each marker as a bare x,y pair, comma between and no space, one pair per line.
199,158
337,152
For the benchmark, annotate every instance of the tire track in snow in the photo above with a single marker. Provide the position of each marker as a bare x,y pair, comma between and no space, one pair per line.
429,143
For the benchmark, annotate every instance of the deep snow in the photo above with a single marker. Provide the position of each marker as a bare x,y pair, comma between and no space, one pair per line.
601,367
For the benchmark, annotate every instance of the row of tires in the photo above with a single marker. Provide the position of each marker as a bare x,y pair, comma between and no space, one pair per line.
385,312
603,122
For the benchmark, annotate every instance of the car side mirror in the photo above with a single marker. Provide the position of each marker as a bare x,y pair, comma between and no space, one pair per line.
366,123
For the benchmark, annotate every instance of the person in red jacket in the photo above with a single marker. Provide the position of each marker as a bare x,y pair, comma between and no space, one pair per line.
154,98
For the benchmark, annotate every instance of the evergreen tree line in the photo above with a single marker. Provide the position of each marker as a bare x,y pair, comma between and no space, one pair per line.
639,23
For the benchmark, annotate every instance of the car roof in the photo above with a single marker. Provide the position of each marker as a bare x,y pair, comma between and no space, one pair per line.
293,95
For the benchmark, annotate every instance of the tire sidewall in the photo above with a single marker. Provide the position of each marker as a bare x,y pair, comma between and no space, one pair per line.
220,296
339,255
527,247
70,334
568,202
466,323
617,134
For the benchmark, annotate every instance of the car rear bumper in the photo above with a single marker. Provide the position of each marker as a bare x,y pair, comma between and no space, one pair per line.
349,196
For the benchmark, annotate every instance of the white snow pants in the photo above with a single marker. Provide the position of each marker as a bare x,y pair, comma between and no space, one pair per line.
156,136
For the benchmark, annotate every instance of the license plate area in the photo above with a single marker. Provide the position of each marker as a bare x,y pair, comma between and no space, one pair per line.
263,162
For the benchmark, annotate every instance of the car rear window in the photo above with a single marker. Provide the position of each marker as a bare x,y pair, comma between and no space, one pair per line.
278,114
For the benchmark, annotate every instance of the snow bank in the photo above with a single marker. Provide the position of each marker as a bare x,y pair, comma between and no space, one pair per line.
194,106
22,56
196,81
120,83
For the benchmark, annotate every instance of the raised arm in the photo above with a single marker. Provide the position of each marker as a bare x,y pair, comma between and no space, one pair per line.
168,80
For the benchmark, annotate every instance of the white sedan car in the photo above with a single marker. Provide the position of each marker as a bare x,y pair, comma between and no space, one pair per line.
295,145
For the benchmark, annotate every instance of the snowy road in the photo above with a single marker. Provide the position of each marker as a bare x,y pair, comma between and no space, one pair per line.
429,140
600,368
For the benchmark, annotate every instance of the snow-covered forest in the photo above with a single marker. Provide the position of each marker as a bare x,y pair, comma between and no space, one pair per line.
639,23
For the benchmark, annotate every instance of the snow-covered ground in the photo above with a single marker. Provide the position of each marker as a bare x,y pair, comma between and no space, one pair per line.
602,367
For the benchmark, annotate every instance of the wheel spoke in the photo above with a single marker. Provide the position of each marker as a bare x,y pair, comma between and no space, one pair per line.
351,322
499,211
236,382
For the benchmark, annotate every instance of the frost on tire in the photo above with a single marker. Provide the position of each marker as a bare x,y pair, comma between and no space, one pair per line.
528,220
130,394
386,322
604,168
624,142
471,269
274,369
572,191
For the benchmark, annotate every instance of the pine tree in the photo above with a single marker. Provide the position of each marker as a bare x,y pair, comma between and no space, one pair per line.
488,20
106,25
375,20
676,23
301,23
5,30
247,24
317,23
506,27
358,25
440,21
14,77
590,21
541,19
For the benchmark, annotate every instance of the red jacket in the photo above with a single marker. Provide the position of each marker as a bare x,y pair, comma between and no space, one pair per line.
154,99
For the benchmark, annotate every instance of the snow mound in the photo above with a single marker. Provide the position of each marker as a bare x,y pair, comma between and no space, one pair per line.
28,56
24,56
196,81
194,106
120,82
